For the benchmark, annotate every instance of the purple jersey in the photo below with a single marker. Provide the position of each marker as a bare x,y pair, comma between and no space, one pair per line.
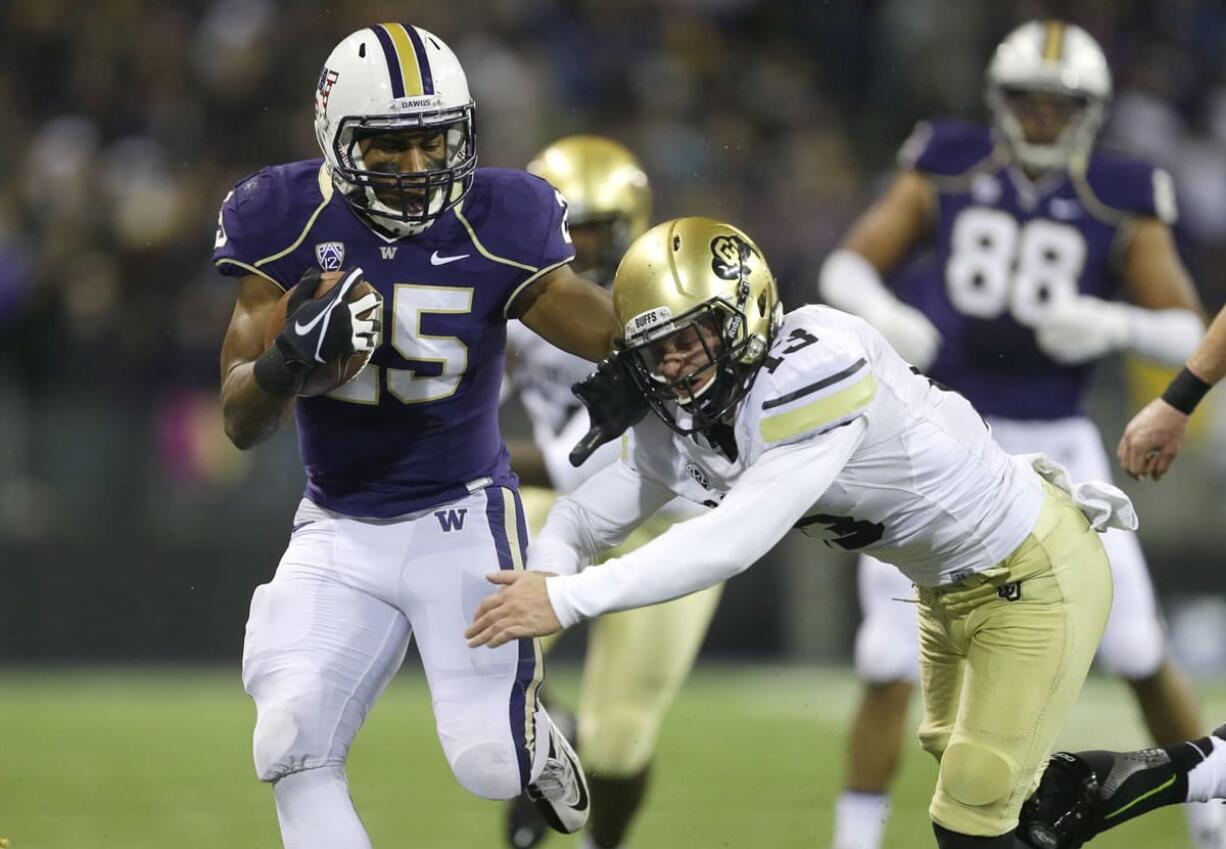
1005,249
419,425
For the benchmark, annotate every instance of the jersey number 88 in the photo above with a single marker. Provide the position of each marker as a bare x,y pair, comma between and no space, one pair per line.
997,265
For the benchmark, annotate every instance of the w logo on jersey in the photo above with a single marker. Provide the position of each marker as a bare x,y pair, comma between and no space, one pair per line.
331,255
451,520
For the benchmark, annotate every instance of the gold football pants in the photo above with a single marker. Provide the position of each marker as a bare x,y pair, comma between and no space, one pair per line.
636,662
1003,656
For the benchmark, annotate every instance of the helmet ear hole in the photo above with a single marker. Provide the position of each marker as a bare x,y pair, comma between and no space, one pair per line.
762,304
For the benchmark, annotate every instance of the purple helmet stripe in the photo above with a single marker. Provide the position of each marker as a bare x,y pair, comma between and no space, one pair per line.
393,62
423,64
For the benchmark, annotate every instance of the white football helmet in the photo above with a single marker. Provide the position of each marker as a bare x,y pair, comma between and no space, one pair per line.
392,78
1049,57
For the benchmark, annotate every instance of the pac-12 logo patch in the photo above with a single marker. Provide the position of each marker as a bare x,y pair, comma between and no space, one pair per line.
331,255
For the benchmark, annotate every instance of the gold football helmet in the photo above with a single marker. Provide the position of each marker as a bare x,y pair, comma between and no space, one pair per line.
699,308
603,184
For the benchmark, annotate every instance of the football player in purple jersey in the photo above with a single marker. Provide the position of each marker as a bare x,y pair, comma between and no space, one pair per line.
409,496
1004,262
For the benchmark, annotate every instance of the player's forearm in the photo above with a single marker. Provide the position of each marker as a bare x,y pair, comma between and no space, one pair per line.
701,552
1166,336
251,413
1208,361
849,282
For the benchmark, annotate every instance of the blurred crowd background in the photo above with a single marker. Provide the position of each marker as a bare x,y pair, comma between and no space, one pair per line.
130,528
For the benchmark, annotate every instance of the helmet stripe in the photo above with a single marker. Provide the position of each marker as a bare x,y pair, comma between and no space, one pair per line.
423,62
1053,43
409,68
393,64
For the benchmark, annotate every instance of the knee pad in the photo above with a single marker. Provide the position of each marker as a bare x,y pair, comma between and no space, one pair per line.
489,770
976,776
279,747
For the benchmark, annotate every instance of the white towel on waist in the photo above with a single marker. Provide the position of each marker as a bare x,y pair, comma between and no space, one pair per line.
1104,505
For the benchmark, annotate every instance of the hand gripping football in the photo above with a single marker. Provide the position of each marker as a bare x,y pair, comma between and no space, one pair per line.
340,370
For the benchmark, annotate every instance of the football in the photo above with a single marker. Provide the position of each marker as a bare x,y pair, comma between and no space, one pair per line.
337,372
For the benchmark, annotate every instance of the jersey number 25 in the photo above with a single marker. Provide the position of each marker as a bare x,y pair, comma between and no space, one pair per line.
996,266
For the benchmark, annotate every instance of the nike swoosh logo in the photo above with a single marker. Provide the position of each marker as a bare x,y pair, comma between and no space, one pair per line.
303,329
435,259
582,803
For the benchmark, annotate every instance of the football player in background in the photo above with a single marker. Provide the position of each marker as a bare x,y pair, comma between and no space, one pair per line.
410,495
636,660
1025,236
811,420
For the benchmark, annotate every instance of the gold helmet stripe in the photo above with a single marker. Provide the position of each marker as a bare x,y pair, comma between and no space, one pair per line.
1053,42
407,59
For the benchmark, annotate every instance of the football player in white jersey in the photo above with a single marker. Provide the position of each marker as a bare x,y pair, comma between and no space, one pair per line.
636,660
812,421
1036,234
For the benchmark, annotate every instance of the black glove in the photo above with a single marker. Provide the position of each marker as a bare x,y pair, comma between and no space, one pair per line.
318,330
614,403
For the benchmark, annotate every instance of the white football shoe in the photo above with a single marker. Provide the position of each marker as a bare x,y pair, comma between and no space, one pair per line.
560,791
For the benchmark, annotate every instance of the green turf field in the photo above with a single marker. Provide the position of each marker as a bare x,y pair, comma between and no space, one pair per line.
160,759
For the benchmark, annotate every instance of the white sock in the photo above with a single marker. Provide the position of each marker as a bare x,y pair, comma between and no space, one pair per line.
1205,822
859,820
1207,780
316,812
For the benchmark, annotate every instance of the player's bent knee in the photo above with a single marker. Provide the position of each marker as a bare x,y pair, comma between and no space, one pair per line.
278,745
489,770
976,776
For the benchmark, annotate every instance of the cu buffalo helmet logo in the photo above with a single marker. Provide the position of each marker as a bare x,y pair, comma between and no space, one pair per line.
730,257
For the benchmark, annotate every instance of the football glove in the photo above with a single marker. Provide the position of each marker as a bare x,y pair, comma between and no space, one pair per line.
614,403
1083,328
318,330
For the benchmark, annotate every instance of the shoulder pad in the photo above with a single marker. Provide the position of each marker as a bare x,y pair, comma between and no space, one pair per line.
1130,186
945,148
816,377
517,217
266,212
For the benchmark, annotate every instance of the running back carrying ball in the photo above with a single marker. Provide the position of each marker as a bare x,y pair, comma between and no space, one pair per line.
318,328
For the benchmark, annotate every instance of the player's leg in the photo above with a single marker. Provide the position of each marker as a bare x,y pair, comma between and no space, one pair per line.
1135,647
321,645
1030,628
496,737
887,662
524,827
1083,794
636,662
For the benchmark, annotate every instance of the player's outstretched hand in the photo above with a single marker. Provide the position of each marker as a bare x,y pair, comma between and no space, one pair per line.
1152,440
321,329
520,609
614,403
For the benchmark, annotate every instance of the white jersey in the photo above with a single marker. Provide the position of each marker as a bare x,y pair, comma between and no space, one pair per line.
926,489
